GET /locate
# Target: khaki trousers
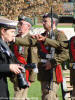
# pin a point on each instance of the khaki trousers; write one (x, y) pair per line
(49, 94)
(21, 94)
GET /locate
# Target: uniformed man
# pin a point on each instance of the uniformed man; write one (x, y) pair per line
(27, 53)
(61, 54)
(7, 32)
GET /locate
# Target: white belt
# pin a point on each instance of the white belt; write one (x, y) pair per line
(43, 60)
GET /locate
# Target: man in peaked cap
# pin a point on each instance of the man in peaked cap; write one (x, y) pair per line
(7, 30)
(4, 22)
(49, 84)
(28, 53)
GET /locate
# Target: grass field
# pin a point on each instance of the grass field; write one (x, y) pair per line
(34, 91)
(59, 26)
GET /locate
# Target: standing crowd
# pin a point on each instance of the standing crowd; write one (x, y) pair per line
(48, 51)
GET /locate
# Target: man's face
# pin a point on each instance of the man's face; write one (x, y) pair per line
(47, 23)
(23, 27)
(8, 34)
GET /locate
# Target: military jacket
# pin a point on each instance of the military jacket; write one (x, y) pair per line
(61, 53)
(30, 55)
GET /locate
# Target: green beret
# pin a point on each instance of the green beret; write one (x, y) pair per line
(6, 23)
(27, 19)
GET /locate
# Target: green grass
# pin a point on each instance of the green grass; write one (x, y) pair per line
(38, 26)
(59, 93)
(11, 89)
(64, 26)
(59, 26)
(34, 90)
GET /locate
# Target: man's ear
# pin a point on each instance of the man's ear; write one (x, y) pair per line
(53, 22)
(2, 30)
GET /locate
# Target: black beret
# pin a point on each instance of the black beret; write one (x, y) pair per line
(54, 15)
(27, 19)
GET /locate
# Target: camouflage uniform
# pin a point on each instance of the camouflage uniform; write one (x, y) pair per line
(61, 54)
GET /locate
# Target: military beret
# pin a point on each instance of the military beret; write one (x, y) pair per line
(6, 23)
(27, 19)
(54, 15)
